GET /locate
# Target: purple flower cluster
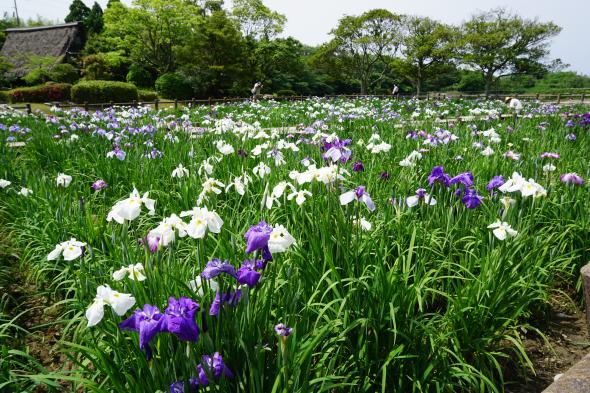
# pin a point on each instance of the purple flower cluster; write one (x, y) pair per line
(178, 319)
(210, 367)
(99, 185)
(336, 150)
(470, 197)
(572, 178)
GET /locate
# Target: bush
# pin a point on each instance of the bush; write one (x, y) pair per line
(105, 66)
(104, 91)
(43, 93)
(139, 76)
(147, 95)
(64, 73)
(173, 86)
(3, 97)
(37, 76)
(286, 93)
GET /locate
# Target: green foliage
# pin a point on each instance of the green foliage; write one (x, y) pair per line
(94, 22)
(105, 66)
(173, 86)
(64, 73)
(99, 91)
(6, 23)
(146, 95)
(499, 44)
(285, 93)
(3, 96)
(39, 69)
(257, 20)
(139, 76)
(428, 48)
(153, 32)
(44, 93)
(78, 12)
(362, 42)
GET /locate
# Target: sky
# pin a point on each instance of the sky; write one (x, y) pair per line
(310, 21)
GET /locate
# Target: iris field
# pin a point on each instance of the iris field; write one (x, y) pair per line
(315, 246)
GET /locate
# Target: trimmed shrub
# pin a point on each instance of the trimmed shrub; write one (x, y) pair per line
(139, 76)
(173, 86)
(104, 91)
(64, 73)
(37, 77)
(43, 93)
(286, 93)
(147, 95)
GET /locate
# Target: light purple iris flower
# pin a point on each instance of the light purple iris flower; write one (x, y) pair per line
(360, 195)
(496, 182)
(99, 185)
(282, 330)
(465, 178)
(572, 178)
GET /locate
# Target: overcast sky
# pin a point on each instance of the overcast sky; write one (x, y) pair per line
(310, 21)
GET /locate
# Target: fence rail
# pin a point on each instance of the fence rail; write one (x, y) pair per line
(157, 104)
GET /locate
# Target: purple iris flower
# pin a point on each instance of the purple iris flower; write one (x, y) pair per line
(384, 175)
(336, 150)
(549, 155)
(230, 298)
(180, 318)
(178, 386)
(242, 153)
(496, 182)
(153, 242)
(571, 137)
(572, 178)
(361, 195)
(148, 322)
(465, 178)
(247, 274)
(438, 175)
(282, 330)
(570, 124)
(99, 185)
(117, 153)
(358, 167)
(215, 267)
(213, 366)
(472, 198)
(257, 238)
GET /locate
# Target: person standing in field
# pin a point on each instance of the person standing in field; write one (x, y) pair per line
(514, 104)
(395, 91)
(256, 91)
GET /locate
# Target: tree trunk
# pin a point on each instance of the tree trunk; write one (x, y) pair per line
(489, 78)
(418, 87)
(364, 85)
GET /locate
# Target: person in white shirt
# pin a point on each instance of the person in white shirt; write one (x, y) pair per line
(395, 91)
(256, 91)
(514, 104)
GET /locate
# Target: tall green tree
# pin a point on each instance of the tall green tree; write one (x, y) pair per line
(78, 12)
(499, 44)
(94, 22)
(362, 42)
(428, 48)
(257, 20)
(152, 32)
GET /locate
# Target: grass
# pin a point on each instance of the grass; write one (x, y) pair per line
(427, 300)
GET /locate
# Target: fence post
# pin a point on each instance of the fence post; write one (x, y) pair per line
(86, 106)
(134, 104)
(175, 104)
(29, 109)
(209, 101)
(156, 104)
(537, 96)
(585, 272)
(559, 98)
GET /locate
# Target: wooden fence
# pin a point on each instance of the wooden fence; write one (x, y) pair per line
(157, 104)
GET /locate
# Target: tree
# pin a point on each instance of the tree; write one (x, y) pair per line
(363, 41)
(78, 12)
(428, 47)
(257, 20)
(93, 21)
(153, 31)
(499, 44)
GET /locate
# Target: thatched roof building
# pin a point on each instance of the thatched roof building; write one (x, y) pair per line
(58, 41)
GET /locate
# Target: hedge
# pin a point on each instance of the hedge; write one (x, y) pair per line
(103, 92)
(173, 86)
(147, 95)
(42, 93)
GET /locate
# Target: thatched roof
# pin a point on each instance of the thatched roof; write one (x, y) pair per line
(58, 41)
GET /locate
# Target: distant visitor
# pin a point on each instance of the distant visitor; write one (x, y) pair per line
(514, 104)
(256, 90)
